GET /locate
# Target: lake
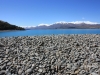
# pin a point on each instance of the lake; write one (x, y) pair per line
(48, 32)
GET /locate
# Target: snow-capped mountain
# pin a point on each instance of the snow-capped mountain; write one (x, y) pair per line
(68, 25)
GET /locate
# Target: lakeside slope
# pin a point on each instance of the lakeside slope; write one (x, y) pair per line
(4, 26)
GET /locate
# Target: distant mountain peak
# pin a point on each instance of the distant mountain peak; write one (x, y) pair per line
(66, 25)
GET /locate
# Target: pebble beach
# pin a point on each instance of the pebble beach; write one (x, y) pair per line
(75, 54)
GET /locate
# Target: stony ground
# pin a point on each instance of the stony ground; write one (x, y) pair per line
(50, 55)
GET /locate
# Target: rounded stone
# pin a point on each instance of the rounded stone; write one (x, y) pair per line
(40, 70)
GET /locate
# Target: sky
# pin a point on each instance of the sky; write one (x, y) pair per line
(37, 12)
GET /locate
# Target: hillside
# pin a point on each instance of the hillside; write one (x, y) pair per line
(8, 26)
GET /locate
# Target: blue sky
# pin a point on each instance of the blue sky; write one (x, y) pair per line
(35, 12)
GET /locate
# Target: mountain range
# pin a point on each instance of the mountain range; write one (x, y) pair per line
(65, 25)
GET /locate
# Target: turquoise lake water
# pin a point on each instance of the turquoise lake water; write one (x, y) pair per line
(49, 32)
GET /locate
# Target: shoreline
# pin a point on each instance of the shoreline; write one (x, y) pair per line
(10, 30)
(72, 54)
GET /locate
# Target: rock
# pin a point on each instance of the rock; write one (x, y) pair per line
(74, 68)
(94, 73)
(97, 60)
(36, 54)
(98, 47)
(28, 70)
(20, 72)
(69, 66)
(31, 58)
(6, 56)
(95, 45)
(0, 61)
(7, 51)
(33, 65)
(87, 48)
(77, 44)
(6, 61)
(9, 63)
(1, 45)
(2, 72)
(3, 67)
(40, 70)
(41, 44)
(23, 74)
(95, 65)
(77, 71)
(8, 73)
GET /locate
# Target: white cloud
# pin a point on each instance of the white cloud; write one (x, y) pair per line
(61, 22)
(86, 22)
(43, 24)
(77, 22)
(27, 26)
